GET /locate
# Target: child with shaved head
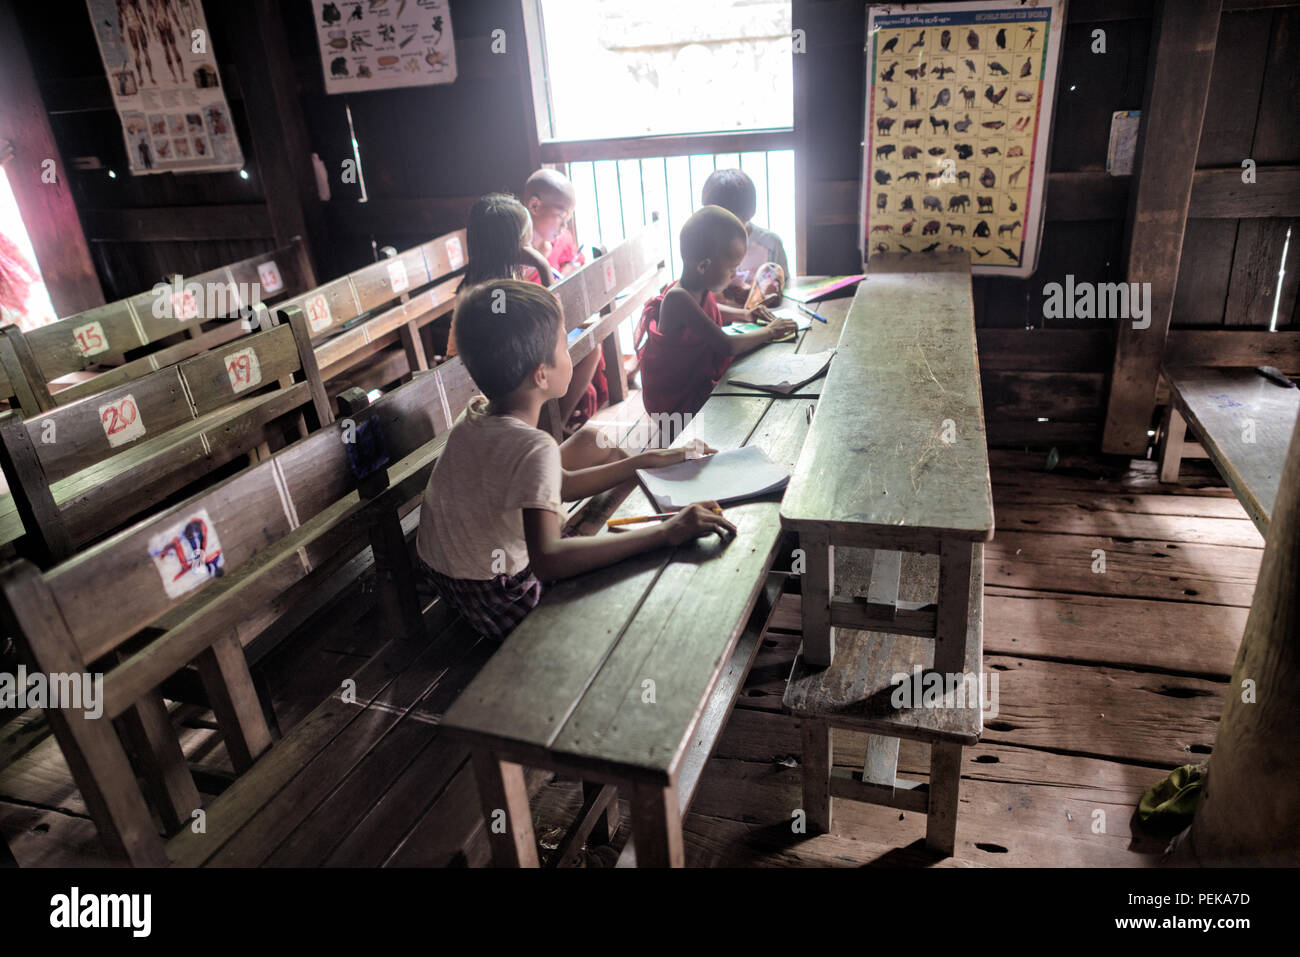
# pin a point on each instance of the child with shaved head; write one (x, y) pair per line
(680, 341)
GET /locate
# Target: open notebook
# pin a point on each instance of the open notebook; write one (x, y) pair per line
(725, 477)
(782, 372)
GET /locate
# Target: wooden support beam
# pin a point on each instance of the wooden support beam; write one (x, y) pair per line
(1173, 113)
(48, 211)
(179, 223)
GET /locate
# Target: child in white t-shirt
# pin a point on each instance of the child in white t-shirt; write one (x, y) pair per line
(491, 517)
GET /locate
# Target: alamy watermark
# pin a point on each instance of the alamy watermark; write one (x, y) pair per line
(1093, 300)
(654, 430)
(934, 689)
(210, 300)
(79, 692)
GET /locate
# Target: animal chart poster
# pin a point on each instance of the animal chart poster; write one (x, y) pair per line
(165, 85)
(959, 108)
(379, 44)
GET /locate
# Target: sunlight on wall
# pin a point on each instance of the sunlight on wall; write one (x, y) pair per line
(24, 300)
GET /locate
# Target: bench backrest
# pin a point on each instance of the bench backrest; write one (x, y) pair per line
(258, 380)
(30, 361)
(188, 576)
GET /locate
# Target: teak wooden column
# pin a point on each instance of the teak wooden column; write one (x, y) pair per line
(1250, 811)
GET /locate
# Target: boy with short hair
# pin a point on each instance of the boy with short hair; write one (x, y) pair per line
(491, 518)
(683, 350)
(733, 190)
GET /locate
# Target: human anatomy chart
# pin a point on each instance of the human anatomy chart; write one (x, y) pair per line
(959, 107)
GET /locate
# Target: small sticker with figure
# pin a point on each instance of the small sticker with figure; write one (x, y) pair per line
(455, 255)
(184, 305)
(121, 421)
(187, 554)
(318, 313)
(244, 369)
(269, 274)
(90, 339)
(397, 275)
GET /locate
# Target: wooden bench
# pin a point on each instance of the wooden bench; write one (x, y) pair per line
(358, 318)
(207, 581)
(85, 468)
(895, 461)
(79, 345)
(1243, 421)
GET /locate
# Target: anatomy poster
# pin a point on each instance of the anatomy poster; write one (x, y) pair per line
(959, 110)
(377, 44)
(163, 74)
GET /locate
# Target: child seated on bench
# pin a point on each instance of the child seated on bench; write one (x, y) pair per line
(550, 199)
(490, 517)
(733, 190)
(683, 350)
(498, 235)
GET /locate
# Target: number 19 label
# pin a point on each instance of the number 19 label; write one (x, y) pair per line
(243, 369)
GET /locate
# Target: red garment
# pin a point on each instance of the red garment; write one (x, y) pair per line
(565, 251)
(679, 371)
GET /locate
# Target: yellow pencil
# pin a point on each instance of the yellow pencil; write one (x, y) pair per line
(635, 520)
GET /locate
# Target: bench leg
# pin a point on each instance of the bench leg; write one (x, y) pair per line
(148, 728)
(657, 827)
(817, 586)
(817, 753)
(413, 346)
(1172, 436)
(233, 697)
(945, 781)
(501, 788)
(602, 832)
(952, 627)
(615, 374)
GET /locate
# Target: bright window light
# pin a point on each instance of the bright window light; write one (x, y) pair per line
(24, 300)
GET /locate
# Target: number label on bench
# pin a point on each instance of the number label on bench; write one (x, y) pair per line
(91, 340)
(187, 554)
(244, 369)
(184, 305)
(610, 278)
(318, 313)
(269, 274)
(121, 421)
(397, 275)
(455, 255)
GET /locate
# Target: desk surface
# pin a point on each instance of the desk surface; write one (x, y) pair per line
(1225, 407)
(898, 441)
(568, 688)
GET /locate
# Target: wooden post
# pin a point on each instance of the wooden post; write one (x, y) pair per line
(1173, 113)
(1250, 810)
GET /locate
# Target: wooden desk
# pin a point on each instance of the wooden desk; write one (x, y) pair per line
(623, 677)
(895, 461)
(819, 337)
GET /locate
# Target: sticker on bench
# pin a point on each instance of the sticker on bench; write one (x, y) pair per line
(90, 339)
(187, 554)
(610, 278)
(269, 274)
(318, 313)
(397, 275)
(184, 305)
(455, 255)
(121, 421)
(244, 369)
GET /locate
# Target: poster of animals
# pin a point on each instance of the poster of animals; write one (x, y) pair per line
(163, 75)
(378, 44)
(958, 119)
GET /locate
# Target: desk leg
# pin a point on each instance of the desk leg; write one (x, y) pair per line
(952, 630)
(501, 787)
(945, 782)
(817, 759)
(817, 586)
(1172, 437)
(657, 827)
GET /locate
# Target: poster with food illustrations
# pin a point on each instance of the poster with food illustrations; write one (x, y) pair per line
(163, 75)
(379, 44)
(958, 118)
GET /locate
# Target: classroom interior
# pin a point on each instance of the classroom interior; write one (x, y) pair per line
(1138, 582)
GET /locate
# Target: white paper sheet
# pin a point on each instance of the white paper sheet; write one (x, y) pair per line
(730, 476)
(783, 372)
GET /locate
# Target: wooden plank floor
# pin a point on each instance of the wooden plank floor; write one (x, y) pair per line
(1107, 679)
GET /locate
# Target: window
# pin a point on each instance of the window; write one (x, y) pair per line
(24, 300)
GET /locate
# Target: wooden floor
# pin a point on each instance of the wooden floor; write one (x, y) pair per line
(1106, 680)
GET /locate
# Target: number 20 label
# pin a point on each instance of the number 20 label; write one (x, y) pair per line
(244, 369)
(90, 339)
(121, 421)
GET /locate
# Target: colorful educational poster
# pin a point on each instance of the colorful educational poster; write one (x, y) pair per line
(958, 118)
(378, 44)
(165, 84)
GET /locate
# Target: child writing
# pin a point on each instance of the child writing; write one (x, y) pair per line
(733, 190)
(490, 517)
(499, 240)
(683, 350)
(550, 199)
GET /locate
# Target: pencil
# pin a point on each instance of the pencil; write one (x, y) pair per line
(810, 312)
(616, 522)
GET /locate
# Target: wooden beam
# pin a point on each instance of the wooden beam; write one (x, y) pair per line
(1220, 193)
(1231, 347)
(179, 223)
(47, 207)
(279, 131)
(635, 147)
(426, 216)
(1173, 113)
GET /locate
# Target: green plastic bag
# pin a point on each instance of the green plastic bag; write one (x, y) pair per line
(1168, 807)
